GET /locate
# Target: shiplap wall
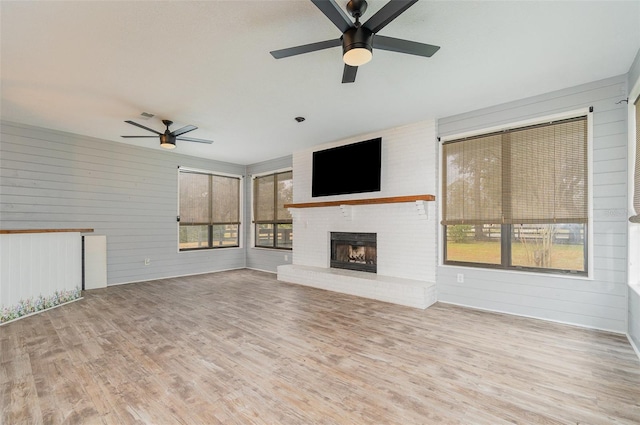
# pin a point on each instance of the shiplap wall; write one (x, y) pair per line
(51, 179)
(263, 258)
(600, 302)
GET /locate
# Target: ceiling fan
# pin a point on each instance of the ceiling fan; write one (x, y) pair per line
(168, 138)
(358, 40)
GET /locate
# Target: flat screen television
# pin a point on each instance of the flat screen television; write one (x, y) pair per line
(353, 168)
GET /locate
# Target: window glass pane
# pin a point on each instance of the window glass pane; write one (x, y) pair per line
(225, 202)
(549, 246)
(284, 236)
(224, 235)
(194, 198)
(285, 195)
(473, 243)
(264, 235)
(193, 237)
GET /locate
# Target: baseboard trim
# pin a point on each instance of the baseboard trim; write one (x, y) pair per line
(172, 277)
(577, 325)
(261, 270)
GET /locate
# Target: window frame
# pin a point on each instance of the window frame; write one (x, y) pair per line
(633, 236)
(275, 222)
(211, 225)
(505, 242)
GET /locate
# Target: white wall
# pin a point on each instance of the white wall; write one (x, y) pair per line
(36, 265)
(406, 241)
(52, 179)
(601, 300)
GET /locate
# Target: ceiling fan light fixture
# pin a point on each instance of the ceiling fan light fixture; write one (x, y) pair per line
(167, 142)
(357, 46)
(357, 56)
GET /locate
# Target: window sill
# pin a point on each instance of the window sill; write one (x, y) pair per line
(266, 248)
(225, 248)
(549, 275)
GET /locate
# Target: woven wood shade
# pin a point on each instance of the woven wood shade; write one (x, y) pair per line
(209, 199)
(636, 173)
(536, 174)
(270, 193)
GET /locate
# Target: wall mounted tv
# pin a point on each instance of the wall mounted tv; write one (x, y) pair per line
(353, 168)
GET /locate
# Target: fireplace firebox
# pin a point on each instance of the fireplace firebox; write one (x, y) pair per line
(354, 251)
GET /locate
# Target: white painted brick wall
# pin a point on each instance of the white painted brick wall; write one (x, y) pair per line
(406, 240)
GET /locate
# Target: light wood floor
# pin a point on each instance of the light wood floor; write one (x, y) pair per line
(241, 348)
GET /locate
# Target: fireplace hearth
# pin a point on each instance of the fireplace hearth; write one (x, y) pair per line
(354, 251)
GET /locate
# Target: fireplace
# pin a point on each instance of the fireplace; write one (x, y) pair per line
(354, 251)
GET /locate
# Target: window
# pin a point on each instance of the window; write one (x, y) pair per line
(518, 199)
(273, 224)
(209, 210)
(636, 173)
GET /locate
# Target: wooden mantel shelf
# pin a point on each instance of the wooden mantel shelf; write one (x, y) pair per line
(8, 232)
(370, 201)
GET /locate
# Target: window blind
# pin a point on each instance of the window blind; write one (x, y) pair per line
(194, 198)
(263, 193)
(284, 181)
(225, 205)
(209, 199)
(535, 174)
(636, 173)
(270, 194)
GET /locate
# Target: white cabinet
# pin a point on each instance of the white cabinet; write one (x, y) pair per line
(95, 261)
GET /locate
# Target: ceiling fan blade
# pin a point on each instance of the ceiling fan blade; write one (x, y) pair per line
(335, 14)
(142, 126)
(191, 139)
(138, 137)
(349, 74)
(404, 46)
(305, 48)
(388, 13)
(185, 129)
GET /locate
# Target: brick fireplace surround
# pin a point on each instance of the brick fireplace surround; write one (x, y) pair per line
(398, 250)
(405, 225)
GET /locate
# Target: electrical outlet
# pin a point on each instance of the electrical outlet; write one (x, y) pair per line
(147, 261)
(286, 257)
(460, 277)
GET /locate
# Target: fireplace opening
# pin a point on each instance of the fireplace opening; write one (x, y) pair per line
(354, 251)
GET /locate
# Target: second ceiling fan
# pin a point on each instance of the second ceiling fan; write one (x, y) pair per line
(358, 40)
(168, 138)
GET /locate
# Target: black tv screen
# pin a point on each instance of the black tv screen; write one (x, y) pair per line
(353, 168)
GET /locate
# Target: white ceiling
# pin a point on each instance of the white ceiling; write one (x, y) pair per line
(85, 67)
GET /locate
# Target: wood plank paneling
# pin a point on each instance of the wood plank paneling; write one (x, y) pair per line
(51, 179)
(600, 301)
